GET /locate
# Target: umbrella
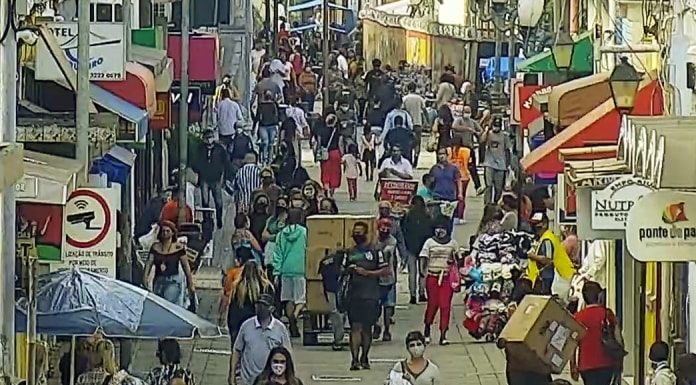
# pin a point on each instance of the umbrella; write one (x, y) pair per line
(77, 302)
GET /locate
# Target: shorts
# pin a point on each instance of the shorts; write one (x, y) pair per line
(293, 289)
(363, 311)
(387, 295)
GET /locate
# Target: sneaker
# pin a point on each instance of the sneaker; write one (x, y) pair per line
(413, 300)
(365, 364)
(386, 337)
(376, 332)
(427, 340)
(354, 365)
(444, 342)
(336, 347)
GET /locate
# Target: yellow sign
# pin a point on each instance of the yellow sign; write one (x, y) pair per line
(418, 49)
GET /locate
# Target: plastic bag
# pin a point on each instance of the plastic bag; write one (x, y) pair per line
(149, 239)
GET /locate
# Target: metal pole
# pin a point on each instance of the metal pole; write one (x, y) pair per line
(31, 261)
(267, 22)
(183, 108)
(511, 56)
(325, 54)
(274, 28)
(8, 133)
(498, 81)
(127, 26)
(246, 60)
(83, 98)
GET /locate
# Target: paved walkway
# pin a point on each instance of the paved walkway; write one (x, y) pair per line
(464, 362)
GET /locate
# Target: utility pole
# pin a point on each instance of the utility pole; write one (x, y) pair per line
(497, 78)
(183, 108)
(267, 22)
(8, 133)
(83, 97)
(325, 54)
(274, 28)
(127, 27)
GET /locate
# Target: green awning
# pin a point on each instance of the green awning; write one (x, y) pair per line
(582, 58)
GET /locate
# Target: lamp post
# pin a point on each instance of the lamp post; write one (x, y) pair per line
(624, 82)
(562, 50)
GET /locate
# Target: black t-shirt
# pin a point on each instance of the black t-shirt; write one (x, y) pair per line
(374, 79)
(327, 134)
(268, 114)
(361, 287)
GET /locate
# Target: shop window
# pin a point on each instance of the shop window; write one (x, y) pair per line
(104, 13)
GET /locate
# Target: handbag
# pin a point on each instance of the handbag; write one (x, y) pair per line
(454, 277)
(611, 345)
(322, 153)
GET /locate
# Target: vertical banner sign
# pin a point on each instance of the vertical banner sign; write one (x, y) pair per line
(90, 231)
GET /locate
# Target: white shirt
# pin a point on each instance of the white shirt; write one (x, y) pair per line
(342, 65)
(298, 115)
(403, 166)
(256, 56)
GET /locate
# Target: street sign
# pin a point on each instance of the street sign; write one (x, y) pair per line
(89, 224)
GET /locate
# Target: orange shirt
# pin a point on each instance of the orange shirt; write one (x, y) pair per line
(461, 160)
(230, 279)
(170, 212)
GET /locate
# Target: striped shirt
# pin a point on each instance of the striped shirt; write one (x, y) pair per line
(247, 180)
(439, 254)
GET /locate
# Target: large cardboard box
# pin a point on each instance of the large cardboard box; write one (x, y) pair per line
(542, 334)
(316, 300)
(324, 237)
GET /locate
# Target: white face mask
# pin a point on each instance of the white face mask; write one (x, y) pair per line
(467, 115)
(278, 369)
(344, 108)
(417, 351)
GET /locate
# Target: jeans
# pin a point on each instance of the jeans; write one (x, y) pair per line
(336, 318)
(267, 136)
(169, 287)
(216, 189)
(416, 283)
(495, 183)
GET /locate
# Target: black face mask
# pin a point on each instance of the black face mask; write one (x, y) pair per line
(263, 313)
(261, 207)
(384, 213)
(359, 239)
(384, 234)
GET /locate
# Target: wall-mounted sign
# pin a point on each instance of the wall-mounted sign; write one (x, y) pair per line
(610, 206)
(27, 187)
(90, 231)
(106, 51)
(43, 223)
(163, 116)
(195, 103)
(661, 227)
(642, 150)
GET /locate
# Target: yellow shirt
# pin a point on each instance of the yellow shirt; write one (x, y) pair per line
(561, 261)
(461, 160)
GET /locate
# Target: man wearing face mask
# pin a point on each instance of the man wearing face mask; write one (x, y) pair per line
(347, 120)
(416, 370)
(268, 188)
(447, 180)
(468, 129)
(211, 164)
(497, 144)
(549, 263)
(390, 122)
(257, 336)
(366, 266)
(386, 243)
(385, 212)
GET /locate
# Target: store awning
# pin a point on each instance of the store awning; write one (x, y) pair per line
(396, 8)
(48, 179)
(159, 64)
(138, 88)
(582, 58)
(11, 170)
(599, 126)
(122, 108)
(571, 100)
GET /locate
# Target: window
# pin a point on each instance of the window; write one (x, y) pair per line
(162, 11)
(118, 12)
(91, 13)
(104, 12)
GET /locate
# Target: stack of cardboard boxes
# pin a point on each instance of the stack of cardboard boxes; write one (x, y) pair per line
(325, 235)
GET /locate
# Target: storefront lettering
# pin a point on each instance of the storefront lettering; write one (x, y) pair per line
(643, 151)
(530, 100)
(661, 232)
(177, 96)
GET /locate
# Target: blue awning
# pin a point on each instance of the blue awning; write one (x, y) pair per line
(313, 4)
(122, 108)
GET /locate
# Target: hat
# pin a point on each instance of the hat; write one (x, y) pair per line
(266, 173)
(537, 218)
(384, 205)
(384, 224)
(266, 299)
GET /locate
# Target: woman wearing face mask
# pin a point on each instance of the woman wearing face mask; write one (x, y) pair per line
(329, 154)
(416, 370)
(274, 225)
(328, 206)
(442, 128)
(439, 253)
(279, 369)
(307, 81)
(310, 195)
(258, 217)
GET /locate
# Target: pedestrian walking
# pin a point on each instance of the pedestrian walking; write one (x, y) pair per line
(416, 369)
(352, 169)
(549, 263)
(330, 271)
(289, 259)
(258, 217)
(659, 362)
(466, 131)
(460, 158)
(168, 256)
(169, 356)
(279, 369)
(257, 337)
(212, 163)
(329, 154)
(447, 181)
(414, 104)
(228, 114)
(246, 181)
(369, 152)
(417, 227)
(244, 292)
(170, 210)
(365, 265)
(496, 161)
(275, 224)
(442, 127)
(307, 82)
(594, 364)
(439, 252)
(386, 244)
(268, 119)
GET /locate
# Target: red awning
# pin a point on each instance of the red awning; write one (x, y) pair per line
(138, 89)
(599, 126)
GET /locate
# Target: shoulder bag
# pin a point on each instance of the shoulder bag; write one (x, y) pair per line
(612, 345)
(322, 152)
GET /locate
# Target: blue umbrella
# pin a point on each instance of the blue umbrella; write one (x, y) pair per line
(76, 302)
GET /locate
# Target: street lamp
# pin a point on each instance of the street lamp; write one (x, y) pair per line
(624, 82)
(562, 50)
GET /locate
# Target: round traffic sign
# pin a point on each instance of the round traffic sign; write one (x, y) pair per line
(88, 219)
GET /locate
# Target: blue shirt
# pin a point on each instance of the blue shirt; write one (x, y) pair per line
(425, 193)
(445, 182)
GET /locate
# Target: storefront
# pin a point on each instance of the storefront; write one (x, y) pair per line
(387, 42)
(418, 48)
(570, 101)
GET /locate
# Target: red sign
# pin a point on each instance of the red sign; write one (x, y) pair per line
(529, 113)
(163, 115)
(397, 191)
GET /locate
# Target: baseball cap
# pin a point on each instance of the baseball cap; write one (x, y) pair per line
(537, 218)
(266, 173)
(266, 299)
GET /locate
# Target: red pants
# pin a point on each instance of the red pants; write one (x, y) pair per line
(439, 298)
(461, 205)
(352, 188)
